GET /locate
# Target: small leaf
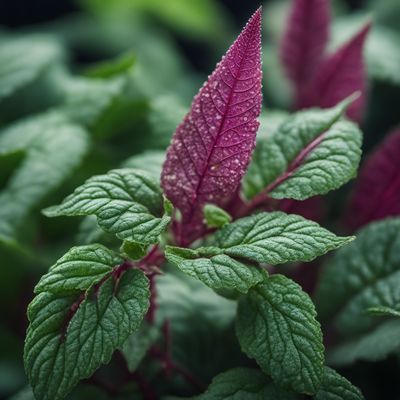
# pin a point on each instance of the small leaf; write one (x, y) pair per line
(127, 203)
(211, 148)
(364, 274)
(218, 271)
(138, 343)
(377, 192)
(70, 336)
(311, 153)
(112, 68)
(341, 74)
(372, 346)
(276, 325)
(382, 311)
(244, 384)
(336, 387)
(133, 250)
(304, 41)
(71, 272)
(216, 217)
(44, 167)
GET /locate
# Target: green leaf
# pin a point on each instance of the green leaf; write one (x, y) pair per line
(268, 238)
(382, 311)
(44, 167)
(127, 203)
(336, 387)
(78, 270)
(24, 59)
(133, 250)
(112, 68)
(69, 337)
(365, 274)
(311, 153)
(138, 343)
(215, 216)
(218, 272)
(372, 346)
(244, 384)
(276, 238)
(276, 325)
(150, 161)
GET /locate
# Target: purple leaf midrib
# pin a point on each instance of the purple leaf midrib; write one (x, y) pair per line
(203, 173)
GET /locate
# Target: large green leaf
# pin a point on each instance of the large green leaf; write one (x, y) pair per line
(127, 203)
(336, 387)
(311, 153)
(244, 384)
(53, 148)
(276, 325)
(270, 238)
(364, 275)
(70, 334)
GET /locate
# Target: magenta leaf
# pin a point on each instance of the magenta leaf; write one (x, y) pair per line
(341, 74)
(377, 193)
(211, 148)
(304, 42)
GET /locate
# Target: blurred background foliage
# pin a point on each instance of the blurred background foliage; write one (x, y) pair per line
(90, 85)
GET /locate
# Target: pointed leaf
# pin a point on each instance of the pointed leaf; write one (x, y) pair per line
(336, 387)
(341, 74)
(304, 41)
(311, 153)
(70, 336)
(269, 238)
(377, 192)
(362, 275)
(44, 167)
(71, 273)
(127, 203)
(276, 325)
(244, 384)
(211, 148)
(218, 271)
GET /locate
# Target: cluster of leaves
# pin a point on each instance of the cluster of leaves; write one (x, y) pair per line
(195, 243)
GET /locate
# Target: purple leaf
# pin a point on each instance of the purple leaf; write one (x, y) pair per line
(304, 42)
(341, 74)
(211, 148)
(377, 193)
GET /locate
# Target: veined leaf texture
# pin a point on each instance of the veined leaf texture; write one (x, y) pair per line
(211, 148)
